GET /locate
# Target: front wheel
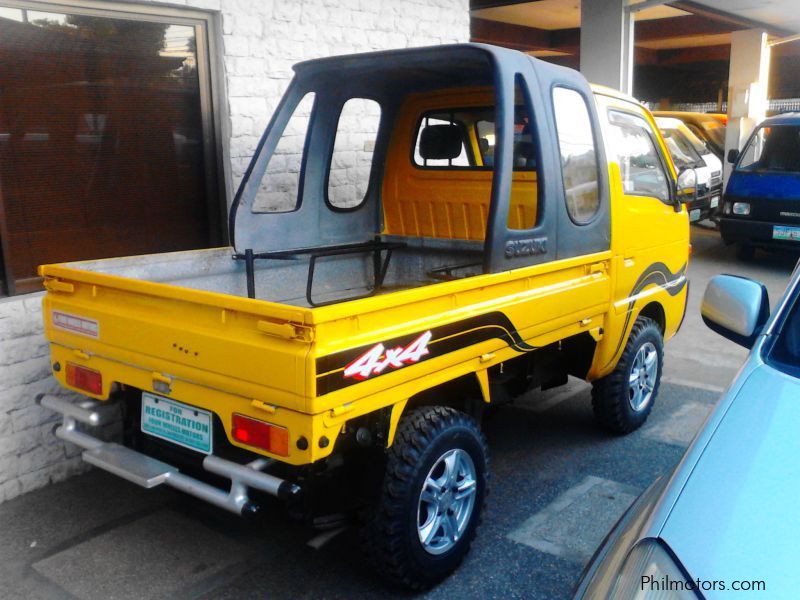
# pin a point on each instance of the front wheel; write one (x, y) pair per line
(623, 399)
(433, 494)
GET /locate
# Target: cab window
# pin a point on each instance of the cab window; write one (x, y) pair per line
(578, 155)
(465, 139)
(633, 146)
(442, 141)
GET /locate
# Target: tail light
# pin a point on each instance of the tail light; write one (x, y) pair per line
(260, 434)
(85, 379)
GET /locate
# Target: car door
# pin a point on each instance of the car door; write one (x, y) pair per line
(650, 236)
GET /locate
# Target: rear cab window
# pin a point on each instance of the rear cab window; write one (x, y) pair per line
(462, 139)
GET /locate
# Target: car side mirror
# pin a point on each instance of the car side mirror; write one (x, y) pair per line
(686, 187)
(733, 155)
(735, 307)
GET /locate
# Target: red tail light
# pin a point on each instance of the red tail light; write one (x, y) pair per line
(260, 434)
(84, 379)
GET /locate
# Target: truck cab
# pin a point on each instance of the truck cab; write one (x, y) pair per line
(421, 234)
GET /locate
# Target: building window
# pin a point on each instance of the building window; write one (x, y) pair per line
(106, 139)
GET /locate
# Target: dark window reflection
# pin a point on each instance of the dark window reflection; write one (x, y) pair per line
(101, 148)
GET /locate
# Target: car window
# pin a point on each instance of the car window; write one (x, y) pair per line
(430, 149)
(785, 354)
(279, 189)
(578, 154)
(640, 164)
(715, 131)
(697, 143)
(351, 160)
(774, 148)
(442, 141)
(682, 151)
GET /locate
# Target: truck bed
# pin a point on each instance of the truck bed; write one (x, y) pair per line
(284, 281)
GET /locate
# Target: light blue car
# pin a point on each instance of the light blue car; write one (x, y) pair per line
(728, 518)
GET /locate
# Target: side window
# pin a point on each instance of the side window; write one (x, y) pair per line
(440, 141)
(351, 161)
(636, 152)
(279, 190)
(524, 149)
(578, 154)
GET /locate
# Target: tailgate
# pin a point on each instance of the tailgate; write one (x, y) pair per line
(250, 348)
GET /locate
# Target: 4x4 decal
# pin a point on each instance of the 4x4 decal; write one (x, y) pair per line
(377, 358)
(349, 367)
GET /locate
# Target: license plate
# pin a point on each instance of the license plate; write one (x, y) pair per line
(715, 202)
(175, 422)
(781, 232)
(694, 215)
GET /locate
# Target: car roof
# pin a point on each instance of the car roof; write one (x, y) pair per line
(791, 118)
(607, 91)
(685, 115)
(668, 122)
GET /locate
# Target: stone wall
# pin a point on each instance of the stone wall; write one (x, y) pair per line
(261, 39)
(30, 455)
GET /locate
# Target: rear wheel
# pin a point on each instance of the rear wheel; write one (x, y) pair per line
(623, 399)
(432, 498)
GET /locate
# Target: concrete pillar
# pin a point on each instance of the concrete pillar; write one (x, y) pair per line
(747, 87)
(607, 43)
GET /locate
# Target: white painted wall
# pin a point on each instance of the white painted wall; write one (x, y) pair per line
(261, 39)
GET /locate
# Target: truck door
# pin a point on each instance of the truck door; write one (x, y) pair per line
(649, 236)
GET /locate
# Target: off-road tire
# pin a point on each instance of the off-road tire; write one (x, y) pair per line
(610, 395)
(389, 536)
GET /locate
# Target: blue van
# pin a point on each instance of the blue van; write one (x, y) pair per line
(762, 201)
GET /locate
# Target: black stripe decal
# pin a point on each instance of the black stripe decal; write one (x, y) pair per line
(659, 274)
(445, 339)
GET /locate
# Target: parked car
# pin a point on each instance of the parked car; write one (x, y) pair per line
(721, 117)
(339, 354)
(705, 126)
(689, 152)
(762, 199)
(727, 518)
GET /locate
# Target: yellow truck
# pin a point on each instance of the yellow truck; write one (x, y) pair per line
(503, 225)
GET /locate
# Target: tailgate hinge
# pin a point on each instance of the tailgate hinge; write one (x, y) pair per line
(288, 331)
(56, 285)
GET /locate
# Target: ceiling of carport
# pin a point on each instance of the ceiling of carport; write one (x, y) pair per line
(780, 14)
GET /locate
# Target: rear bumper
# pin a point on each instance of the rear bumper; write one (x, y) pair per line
(757, 233)
(149, 472)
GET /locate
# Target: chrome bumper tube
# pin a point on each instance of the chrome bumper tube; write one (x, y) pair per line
(149, 472)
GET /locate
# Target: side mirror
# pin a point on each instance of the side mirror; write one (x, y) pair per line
(733, 155)
(736, 308)
(686, 187)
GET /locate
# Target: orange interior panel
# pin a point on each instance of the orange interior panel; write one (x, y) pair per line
(449, 203)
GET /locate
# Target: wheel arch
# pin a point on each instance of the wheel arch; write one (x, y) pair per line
(655, 311)
(468, 393)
